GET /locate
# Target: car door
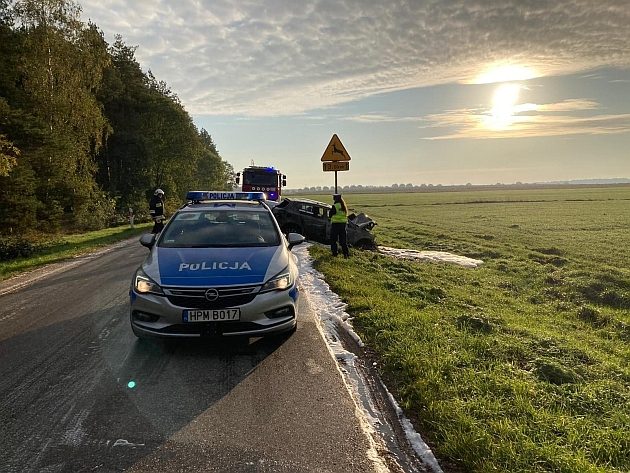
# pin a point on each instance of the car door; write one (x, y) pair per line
(314, 220)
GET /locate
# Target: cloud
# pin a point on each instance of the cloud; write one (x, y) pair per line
(568, 105)
(281, 57)
(380, 118)
(529, 120)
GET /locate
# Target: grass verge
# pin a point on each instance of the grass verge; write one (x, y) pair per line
(520, 365)
(61, 247)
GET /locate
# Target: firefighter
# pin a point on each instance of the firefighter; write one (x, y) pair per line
(156, 210)
(338, 215)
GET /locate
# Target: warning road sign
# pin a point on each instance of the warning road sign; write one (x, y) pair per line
(335, 151)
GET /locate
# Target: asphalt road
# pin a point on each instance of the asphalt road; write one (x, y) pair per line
(78, 391)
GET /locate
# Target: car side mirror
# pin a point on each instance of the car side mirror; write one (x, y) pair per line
(148, 240)
(295, 239)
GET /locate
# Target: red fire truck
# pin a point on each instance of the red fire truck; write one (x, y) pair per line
(263, 179)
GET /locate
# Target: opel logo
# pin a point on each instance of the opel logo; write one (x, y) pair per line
(212, 294)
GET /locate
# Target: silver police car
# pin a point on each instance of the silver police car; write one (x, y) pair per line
(220, 267)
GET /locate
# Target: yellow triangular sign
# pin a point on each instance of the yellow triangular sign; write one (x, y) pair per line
(335, 151)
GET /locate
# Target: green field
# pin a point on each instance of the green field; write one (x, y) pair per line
(520, 365)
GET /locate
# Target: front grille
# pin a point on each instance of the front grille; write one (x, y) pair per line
(194, 298)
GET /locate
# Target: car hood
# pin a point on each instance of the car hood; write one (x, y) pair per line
(214, 266)
(362, 221)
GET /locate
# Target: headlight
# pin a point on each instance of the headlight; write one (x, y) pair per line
(281, 282)
(144, 284)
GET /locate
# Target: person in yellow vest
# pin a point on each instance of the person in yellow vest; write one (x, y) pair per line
(338, 215)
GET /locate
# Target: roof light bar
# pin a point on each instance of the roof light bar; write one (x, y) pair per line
(198, 196)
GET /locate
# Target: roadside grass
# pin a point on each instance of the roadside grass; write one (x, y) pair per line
(520, 365)
(51, 249)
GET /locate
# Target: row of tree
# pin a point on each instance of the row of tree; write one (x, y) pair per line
(372, 189)
(85, 134)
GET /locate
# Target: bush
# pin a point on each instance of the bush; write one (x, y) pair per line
(97, 212)
(12, 248)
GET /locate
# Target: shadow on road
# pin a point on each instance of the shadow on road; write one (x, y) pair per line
(85, 394)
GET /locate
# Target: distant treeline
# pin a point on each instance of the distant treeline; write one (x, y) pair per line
(85, 134)
(367, 189)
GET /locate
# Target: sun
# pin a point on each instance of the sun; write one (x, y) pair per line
(504, 103)
(505, 106)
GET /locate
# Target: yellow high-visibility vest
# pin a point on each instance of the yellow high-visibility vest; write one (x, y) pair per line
(340, 216)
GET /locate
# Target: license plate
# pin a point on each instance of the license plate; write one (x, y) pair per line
(212, 315)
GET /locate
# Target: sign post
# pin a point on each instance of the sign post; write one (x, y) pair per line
(335, 158)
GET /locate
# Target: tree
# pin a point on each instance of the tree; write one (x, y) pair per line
(62, 62)
(214, 172)
(121, 163)
(8, 61)
(83, 131)
(8, 154)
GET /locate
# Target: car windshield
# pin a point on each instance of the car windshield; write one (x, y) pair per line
(220, 228)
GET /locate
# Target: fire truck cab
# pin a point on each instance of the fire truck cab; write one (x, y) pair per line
(262, 179)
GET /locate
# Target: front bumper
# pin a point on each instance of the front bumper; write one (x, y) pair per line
(155, 316)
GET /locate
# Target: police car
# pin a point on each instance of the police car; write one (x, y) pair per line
(220, 267)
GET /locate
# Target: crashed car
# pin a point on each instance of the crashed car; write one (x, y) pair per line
(310, 218)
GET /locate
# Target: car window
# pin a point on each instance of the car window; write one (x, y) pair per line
(220, 228)
(310, 209)
(305, 208)
(322, 212)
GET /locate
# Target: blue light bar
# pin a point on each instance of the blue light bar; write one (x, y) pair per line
(198, 196)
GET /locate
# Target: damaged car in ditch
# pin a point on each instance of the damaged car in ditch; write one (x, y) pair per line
(310, 218)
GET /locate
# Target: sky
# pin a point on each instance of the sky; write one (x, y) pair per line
(418, 92)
